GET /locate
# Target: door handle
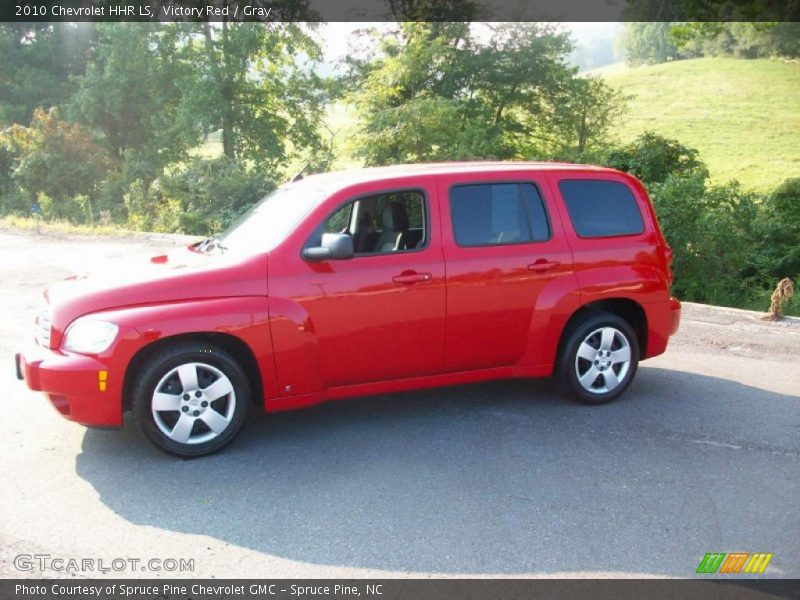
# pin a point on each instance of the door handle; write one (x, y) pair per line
(542, 265)
(412, 277)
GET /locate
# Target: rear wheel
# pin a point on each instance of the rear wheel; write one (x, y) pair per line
(190, 399)
(598, 359)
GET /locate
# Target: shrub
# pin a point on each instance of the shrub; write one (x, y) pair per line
(731, 268)
(201, 198)
(781, 231)
(6, 164)
(149, 210)
(679, 203)
(213, 192)
(59, 159)
(110, 197)
(653, 158)
(15, 202)
(728, 243)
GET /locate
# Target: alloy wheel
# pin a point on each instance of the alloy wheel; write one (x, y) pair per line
(603, 360)
(193, 403)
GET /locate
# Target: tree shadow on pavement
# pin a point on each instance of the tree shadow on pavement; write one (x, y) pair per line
(495, 478)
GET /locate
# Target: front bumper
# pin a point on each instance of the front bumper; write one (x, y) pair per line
(80, 387)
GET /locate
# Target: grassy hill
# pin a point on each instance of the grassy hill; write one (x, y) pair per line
(742, 115)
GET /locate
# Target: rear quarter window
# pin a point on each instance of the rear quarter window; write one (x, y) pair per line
(601, 208)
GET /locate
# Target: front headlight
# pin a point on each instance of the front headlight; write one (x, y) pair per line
(89, 336)
(43, 327)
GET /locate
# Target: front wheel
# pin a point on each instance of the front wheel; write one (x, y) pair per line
(598, 359)
(190, 399)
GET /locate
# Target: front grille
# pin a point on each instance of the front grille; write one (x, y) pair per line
(43, 327)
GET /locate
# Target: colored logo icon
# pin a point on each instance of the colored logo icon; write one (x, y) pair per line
(734, 562)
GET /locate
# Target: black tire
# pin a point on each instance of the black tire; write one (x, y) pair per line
(612, 378)
(164, 372)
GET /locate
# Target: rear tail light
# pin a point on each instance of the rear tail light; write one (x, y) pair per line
(668, 257)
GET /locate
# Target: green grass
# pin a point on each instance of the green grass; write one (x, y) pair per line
(60, 227)
(743, 116)
(210, 147)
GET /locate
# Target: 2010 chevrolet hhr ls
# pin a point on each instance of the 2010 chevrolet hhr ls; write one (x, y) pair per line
(365, 282)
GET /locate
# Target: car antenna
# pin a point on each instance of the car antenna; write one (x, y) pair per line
(299, 175)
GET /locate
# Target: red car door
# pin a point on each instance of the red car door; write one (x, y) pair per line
(503, 245)
(381, 314)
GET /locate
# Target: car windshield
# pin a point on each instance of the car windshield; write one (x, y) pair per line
(269, 222)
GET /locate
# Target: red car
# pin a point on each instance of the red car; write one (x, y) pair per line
(365, 282)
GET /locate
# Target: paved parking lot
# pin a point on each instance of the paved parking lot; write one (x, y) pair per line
(702, 454)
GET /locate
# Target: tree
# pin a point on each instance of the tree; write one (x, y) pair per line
(434, 10)
(740, 39)
(435, 92)
(738, 11)
(133, 92)
(648, 43)
(411, 96)
(583, 114)
(39, 66)
(521, 68)
(639, 11)
(255, 83)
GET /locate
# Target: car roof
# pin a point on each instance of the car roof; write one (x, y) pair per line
(370, 174)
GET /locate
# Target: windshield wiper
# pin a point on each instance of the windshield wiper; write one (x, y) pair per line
(211, 243)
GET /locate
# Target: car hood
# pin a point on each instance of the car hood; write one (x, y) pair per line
(179, 276)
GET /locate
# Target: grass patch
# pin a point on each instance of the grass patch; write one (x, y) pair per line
(64, 229)
(61, 227)
(743, 116)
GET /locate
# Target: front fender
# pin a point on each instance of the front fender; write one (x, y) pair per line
(245, 318)
(295, 348)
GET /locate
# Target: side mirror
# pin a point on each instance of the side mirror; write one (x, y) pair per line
(334, 246)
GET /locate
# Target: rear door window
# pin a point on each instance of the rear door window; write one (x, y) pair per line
(601, 208)
(496, 214)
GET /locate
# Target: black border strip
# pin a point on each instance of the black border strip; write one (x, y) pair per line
(398, 589)
(398, 10)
